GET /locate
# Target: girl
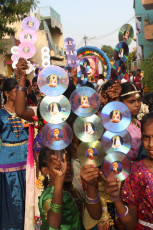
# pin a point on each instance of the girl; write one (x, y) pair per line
(13, 154)
(131, 96)
(137, 191)
(57, 205)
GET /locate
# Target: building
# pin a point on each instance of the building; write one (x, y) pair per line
(144, 27)
(50, 34)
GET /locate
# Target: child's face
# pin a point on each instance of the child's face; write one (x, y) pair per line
(147, 137)
(134, 103)
(103, 98)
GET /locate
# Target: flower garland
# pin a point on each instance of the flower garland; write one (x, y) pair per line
(39, 182)
(143, 110)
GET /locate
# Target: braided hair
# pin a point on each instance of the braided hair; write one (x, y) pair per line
(44, 159)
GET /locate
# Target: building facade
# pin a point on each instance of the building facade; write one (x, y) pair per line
(144, 27)
(50, 34)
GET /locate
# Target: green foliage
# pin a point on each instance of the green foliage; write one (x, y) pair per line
(147, 66)
(109, 51)
(3, 46)
(131, 57)
(12, 11)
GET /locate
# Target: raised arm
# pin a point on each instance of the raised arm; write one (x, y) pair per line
(127, 213)
(20, 103)
(114, 91)
(90, 174)
(55, 212)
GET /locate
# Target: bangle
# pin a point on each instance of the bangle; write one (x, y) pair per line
(56, 208)
(92, 201)
(21, 88)
(120, 216)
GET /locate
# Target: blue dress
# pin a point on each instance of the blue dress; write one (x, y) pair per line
(13, 154)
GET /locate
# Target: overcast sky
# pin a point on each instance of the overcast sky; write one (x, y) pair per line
(99, 20)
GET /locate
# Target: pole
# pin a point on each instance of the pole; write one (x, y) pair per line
(85, 40)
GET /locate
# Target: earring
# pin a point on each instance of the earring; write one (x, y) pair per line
(48, 177)
(7, 98)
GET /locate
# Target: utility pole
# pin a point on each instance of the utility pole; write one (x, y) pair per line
(86, 38)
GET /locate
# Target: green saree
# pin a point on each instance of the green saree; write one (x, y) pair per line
(71, 219)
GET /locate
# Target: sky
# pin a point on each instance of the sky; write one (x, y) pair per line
(99, 20)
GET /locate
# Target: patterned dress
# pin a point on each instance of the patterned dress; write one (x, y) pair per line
(135, 132)
(13, 154)
(138, 190)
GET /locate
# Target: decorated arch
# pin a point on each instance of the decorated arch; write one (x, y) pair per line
(94, 51)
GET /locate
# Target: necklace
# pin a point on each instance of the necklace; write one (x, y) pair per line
(13, 114)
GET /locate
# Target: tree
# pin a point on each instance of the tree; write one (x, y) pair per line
(109, 51)
(146, 65)
(12, 11)
(131, 57)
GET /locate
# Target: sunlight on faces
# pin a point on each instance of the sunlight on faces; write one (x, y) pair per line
(103, 98)
(134, 103)
(12, 94)
(147, 137)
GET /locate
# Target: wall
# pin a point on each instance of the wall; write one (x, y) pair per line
(41, 42)
(141, 13)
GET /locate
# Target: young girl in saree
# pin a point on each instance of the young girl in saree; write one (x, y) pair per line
(134, 206)
(131, 96)
(59, 202)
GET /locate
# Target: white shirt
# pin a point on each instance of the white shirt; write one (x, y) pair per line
(100, 82)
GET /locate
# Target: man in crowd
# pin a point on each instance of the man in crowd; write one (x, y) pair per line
(138, 79)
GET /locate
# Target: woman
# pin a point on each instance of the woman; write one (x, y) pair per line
(131, 96)
(137, 191)
(13, 154)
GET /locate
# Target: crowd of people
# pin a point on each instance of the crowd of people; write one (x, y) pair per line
(66, 196)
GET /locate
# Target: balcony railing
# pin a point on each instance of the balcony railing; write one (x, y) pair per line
(50, 39)
(147, 4)
(46, 12)
(58, 52)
